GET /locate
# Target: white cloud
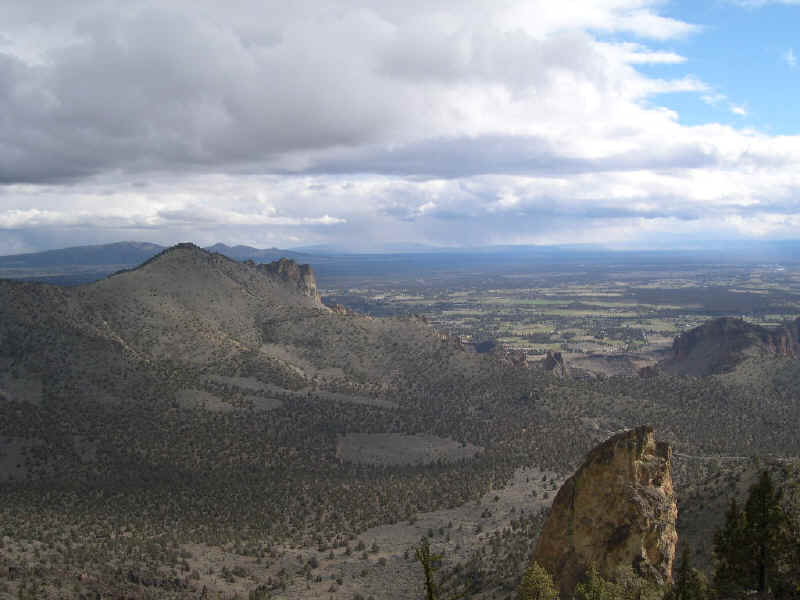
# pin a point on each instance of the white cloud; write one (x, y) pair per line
(437, 121)
(738, 110)
(713, 99)
(716, 99)
(636, 54)
(790, 58)
(740, 188)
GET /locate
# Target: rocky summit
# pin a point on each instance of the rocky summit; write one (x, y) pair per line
(619, 509)
(301, 276)
(717, 346)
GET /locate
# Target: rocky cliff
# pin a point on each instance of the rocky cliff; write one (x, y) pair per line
(554, 361)
(302, 276)
(720, 344)
(619, 509)
(785, 340)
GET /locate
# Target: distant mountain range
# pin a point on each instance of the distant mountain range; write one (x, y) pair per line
(83, 264)
(257, 254)
(130, 253)
(120, 253)
(724, 250)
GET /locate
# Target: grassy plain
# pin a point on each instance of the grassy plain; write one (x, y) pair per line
(585, 312)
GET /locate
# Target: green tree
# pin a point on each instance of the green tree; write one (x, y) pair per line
(751, 546)
(625, 585)
(537, 584)
(689, 583)
(594, 587)
(765, 528)
(730, 552)
(431, 563)
(793, 538)
(631, 586)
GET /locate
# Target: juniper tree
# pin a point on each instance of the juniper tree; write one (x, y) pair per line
(431, 563)
(537, 584)
(689, 583)
(750, 546)
(595, 587)
(730, 551)
(765, 525)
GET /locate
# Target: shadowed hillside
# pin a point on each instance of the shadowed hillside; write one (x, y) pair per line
(187, 305)
(196, 413)
(720, 345)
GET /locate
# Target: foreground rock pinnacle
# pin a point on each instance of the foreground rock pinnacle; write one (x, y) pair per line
(617, 510)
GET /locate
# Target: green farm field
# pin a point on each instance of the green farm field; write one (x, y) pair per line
(585, 313)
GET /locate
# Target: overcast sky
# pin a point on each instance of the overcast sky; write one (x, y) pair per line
(362, 123)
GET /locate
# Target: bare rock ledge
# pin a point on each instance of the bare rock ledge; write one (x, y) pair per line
(618, 509)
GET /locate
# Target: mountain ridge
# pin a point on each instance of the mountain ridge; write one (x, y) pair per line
(131, 253)
(184, 301)
(718, 345)
(191, 306)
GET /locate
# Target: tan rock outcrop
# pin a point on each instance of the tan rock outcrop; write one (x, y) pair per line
(617, 510)
(302, 276)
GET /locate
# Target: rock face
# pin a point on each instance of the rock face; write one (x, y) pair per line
(618, 509)
(786, 339)
(720, 344)
(301, 275)
(554, 361)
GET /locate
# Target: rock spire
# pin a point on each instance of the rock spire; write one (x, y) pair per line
(618, 509)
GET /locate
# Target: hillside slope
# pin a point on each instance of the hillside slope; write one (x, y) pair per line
(187, 306)
(196, 414)
(84, 264)
(717, 346)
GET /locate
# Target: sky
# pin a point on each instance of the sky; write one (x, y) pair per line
(369, 124)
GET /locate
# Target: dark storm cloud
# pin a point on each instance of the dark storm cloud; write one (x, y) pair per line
(142, 86)
(513, 155)
(161, 89)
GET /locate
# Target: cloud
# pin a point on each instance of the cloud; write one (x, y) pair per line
(142, 86)
(738, 110)
(713, 99)
(637, 54)
(274, 123)
(790, 58)
(755, 183)
(716, 99)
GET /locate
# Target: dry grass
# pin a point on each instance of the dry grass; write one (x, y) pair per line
(401, 449)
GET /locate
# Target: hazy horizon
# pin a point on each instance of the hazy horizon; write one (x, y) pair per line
(696, 246)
